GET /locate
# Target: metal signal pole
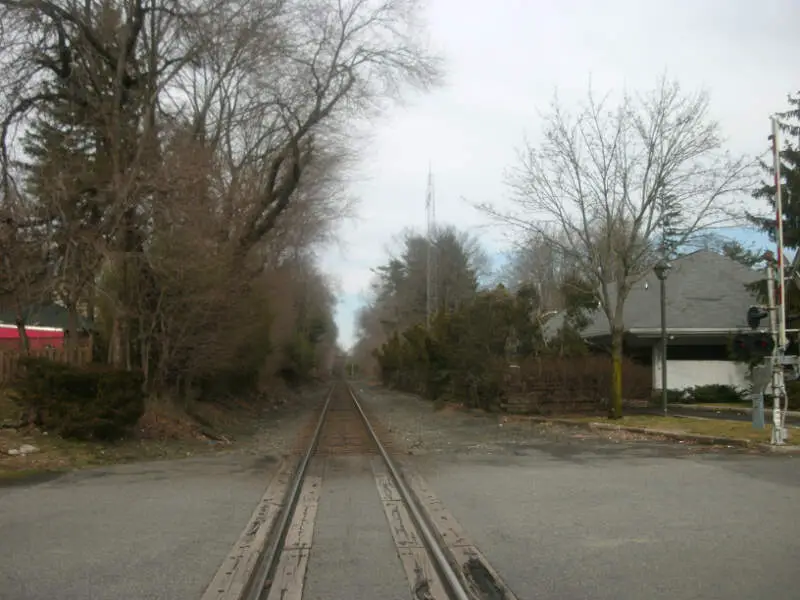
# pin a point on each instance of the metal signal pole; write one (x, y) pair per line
(777, 304)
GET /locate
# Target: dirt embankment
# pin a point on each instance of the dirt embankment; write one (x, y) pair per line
(167, 430)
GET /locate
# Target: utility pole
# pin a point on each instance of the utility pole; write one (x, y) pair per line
(777, 304)
(430, 217)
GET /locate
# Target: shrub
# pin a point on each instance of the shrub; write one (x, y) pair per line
(714, 394)
(793, 392)
(673, 397)
(85, 403)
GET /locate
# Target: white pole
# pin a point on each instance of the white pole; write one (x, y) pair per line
(780, 399)
(776, 380)
(780, 296)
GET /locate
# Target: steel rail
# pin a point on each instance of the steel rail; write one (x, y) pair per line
(256, 587)
(452, 581)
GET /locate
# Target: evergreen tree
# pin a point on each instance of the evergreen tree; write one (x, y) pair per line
(61, 173)
(789, 155)
(64, 182)
(790, 175)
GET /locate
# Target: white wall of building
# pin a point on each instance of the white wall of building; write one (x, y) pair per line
(682, 374)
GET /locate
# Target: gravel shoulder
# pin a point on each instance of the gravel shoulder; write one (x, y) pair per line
(453, 432)
(154, 530)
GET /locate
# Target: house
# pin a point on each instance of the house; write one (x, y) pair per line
(45, 325)
(706, 305)
(38, 337)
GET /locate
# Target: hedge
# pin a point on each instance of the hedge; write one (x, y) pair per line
(87, 403)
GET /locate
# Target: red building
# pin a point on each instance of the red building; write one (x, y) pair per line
(38, 337)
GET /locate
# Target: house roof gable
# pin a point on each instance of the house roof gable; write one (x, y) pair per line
(44, 315)
(704, 290)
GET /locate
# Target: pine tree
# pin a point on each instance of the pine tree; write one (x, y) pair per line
(61, 169)
(62, 179)
(790, 197)
(790, 175)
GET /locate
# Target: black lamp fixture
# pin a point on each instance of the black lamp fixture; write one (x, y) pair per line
(662, 268)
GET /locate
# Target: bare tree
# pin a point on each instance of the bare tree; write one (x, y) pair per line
(597, 186)
(24, 262)
(535, 262)
(184, 162)
(283, 88)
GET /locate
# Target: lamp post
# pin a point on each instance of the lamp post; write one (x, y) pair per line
(662, 268)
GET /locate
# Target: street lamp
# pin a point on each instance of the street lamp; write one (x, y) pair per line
(662, 268)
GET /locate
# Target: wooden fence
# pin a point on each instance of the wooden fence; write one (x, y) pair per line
(9, 359)
(565, 385)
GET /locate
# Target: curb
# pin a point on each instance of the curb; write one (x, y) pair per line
(707, 440)
(743, 410)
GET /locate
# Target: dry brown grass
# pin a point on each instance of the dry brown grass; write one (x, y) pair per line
(163, 421)
(711, 427)
(165, 431)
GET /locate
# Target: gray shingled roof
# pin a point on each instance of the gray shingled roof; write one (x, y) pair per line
(705, 291)
(43, 315)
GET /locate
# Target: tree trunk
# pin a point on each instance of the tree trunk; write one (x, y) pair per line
(115, 344)
(615, 404)
(23, 335)
(91, 306)
(145, 362)
(127, 356)
(72, 333)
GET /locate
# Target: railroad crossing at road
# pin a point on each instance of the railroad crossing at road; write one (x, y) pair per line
(276, 558)
(556, 513)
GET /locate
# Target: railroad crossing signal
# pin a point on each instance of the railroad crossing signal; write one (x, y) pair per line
(757, 345)
(740, 346)
(762, 344)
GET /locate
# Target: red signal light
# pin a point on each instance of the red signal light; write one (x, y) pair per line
(763, 344)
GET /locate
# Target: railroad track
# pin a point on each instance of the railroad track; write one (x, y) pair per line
(270, 560)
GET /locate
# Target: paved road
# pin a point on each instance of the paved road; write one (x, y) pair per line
(588, 521)
(561, 515)
(147, 532)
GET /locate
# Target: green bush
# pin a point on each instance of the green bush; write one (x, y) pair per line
(714, 394)
(83, 403)
(673, 397)
(793, 392)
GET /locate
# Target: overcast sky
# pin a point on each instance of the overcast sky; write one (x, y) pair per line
(505, 59)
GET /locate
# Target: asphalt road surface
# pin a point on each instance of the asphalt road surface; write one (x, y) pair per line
(595, 526)
(145, 532)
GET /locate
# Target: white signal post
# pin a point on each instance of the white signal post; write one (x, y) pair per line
(777, 305)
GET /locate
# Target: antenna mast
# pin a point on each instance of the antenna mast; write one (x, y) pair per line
(430, 217)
